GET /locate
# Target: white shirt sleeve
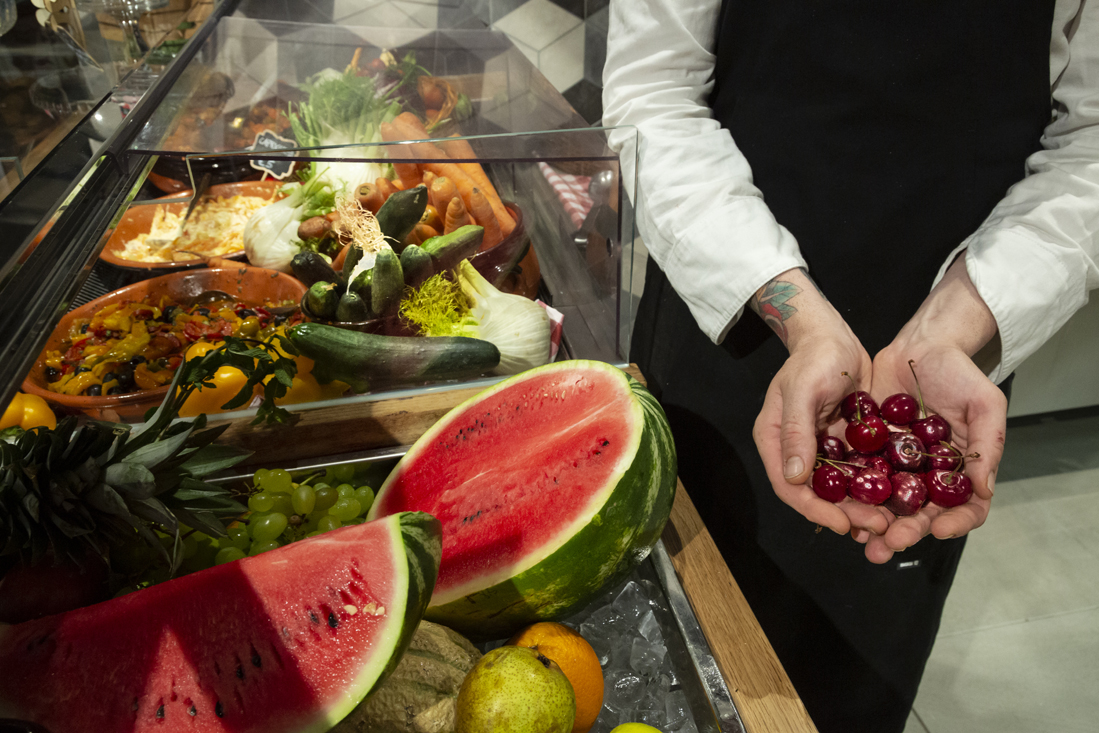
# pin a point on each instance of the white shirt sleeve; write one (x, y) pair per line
(701, 217)
(1034, 259)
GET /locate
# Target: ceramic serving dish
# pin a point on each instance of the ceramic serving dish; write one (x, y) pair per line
(252, 285)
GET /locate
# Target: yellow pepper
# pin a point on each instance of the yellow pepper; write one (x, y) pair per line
(74, 384)
(228, 381)
(28, 411)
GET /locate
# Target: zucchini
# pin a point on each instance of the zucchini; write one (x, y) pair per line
(449, 249)
(354, 254)
(322, 299)
(311, 268)
(400, 212)
(388, 283)
(360, 286)
(416, 265)
(371, 361)
(352, 308)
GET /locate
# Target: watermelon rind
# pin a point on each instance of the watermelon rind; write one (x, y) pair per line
(615, 532)
(81, 670)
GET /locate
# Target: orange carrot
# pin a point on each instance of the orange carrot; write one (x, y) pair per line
(442, 191)
(421, 233)
(428, 178)
(483, 215)
(409, 174)
(431, 217)
(369, 197)
(385, 188)
(459, 149)
(456, 215)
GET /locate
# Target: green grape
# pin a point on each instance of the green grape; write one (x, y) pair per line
(304, 499)
(278, 482)
(346, 491)
(328, 523)
(258, 547)
(283, 504)
(343, 473)
(356, 520)
(326, 497)
(190, 546)
(236, 537)
(261, 502)
(313, 534)
(228, 554)
(269, 527)
(345, 509)
(365, 497)
(260, 477)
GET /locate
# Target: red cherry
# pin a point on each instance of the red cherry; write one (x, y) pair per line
(948, 488)
(904, 451)
(900, 409)
(830, 447)
(909, 494)
(867, 435)
(944, 456)
(870, 486)
(830, 483)
(858, 404)
(871, 460)
(931, 430)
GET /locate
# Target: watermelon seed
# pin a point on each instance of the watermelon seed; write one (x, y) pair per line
(313, 617)
(240, 671)
(193, 711)
(219, 710)
(160, 712)
(135, 706)
(332, 621)
(217, 668)
(257, 662)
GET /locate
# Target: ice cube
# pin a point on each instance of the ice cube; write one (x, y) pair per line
(650, 628)
(655, 718)
(632, 602)
(626, 692)
(601, 645)
(645, 657)
(676, 709)
(687, 727)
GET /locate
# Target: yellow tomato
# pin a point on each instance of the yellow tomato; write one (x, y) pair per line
(37, 413)
(228, 381)
(305, 388)
(198, 349)
(13, 415)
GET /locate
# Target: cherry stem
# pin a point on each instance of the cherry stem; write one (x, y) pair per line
(855, 391)
(912, 366)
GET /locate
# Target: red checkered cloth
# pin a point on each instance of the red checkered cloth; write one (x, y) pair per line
(572, 191)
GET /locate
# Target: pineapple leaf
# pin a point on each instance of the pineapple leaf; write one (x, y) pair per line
(153, 510)
(202, 521)
(153, 454)
(133, 479)
(105, 499)
(211, 458)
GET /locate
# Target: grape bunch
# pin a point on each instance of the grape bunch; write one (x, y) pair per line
(283, 511)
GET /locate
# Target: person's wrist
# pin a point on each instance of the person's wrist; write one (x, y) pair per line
(953, 315)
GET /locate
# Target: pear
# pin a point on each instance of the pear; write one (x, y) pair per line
(515, 690)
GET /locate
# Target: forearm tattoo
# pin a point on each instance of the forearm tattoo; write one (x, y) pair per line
(773, 305)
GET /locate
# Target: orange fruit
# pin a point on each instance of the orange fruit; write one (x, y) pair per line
(576, 659)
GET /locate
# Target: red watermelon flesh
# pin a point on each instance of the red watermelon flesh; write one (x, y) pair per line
(517, 471)
(290, 640)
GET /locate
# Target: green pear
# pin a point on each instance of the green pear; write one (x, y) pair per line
(515, 690)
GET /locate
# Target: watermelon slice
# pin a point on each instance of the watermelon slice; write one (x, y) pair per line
(290, 640)
(548, 485)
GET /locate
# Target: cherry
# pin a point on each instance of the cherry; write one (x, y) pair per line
(870, 486)
(932, 429)
(867, 435)
(944, 456)
(904, 451)
(909, 494)
(830, 483)
(948, 488)
(830, 447)
(900, 409)
(858, 404)
(870, 460)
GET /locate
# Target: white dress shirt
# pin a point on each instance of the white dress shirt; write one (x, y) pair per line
(1033, 260)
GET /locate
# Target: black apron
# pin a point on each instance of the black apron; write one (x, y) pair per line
(881, 135)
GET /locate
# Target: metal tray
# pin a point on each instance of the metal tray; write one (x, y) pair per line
(688, 660)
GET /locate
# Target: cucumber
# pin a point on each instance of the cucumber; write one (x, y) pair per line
(400, 212)
(388, 283)
(371, 361)
(311, 268)
(352, 308)
(354, 254)
(360, 286)
(322, 299)
(449, 249)
(417, 265)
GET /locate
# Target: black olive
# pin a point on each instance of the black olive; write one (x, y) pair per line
(126, 378)
(94, 391)
(51, 373)
(202, 311)
(84, 328)
(279, 320)
(81, 370)
(115, 390)
(139, 359)
(109, 376)
(246, 313)
(168, 314)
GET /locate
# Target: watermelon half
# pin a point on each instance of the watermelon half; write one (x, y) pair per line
(548, 485)
(290, 640)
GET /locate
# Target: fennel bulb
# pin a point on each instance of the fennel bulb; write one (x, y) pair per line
(271, 234)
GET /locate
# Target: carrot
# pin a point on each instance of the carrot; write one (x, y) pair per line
(442, 191)
(483, 215)
(385, 188)
(370, 198)
(409, 173)
(456, 215)
(462, 149)
(431, 217)
(428, 178)
(421, 233)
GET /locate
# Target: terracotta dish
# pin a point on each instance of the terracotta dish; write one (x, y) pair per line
(138, 219)
(252, 285)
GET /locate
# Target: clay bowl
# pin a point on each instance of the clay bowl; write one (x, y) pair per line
(496, 264)
(139, 220)
(251, 285)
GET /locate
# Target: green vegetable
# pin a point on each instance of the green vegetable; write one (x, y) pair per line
(354, 254)
(448, 250)
(322, 299)
(416, 265)
(311, 268)
(271, 234)
(352, 308)
(400, 212)
(368, 361)
(388, 283)
(361, 284)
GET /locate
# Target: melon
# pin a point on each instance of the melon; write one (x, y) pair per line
(548, 485)
(289, 640)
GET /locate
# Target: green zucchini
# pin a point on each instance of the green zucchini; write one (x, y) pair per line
(371, 361)
(360, 286)
(354, 254)
(311, 268)
(449, 249)
(388, 283)
(322, 299)
(400, 212)
(352, 308)
(416, 265)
